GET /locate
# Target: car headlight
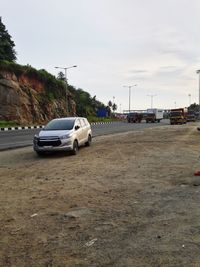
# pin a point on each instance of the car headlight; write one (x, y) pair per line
(36, 137)
(67, 136)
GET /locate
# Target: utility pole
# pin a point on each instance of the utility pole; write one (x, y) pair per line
(189, 95)
(65, 69)
(152, 96)
(198, 72)
(129, 95)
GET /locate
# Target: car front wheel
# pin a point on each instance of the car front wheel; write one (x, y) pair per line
(89, 141)
(75, 148)
(40, 153)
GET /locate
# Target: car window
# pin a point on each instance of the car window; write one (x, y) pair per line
(56, 125)
(86, 122)
(83, 122)
(78, 123)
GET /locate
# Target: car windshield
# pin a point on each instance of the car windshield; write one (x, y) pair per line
(173, 114)
(56, 125)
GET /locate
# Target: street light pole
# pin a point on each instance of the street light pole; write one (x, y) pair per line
(65, 69)
(152, 96)
(129, 95)
(198, 72)
(189, 95)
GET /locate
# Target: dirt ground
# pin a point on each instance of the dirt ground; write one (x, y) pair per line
(128, 200)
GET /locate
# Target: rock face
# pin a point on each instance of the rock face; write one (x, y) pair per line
(24, 100)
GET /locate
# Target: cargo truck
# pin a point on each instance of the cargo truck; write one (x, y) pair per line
(134, 117)
(154, 115)
(178, 115)
(191, 115)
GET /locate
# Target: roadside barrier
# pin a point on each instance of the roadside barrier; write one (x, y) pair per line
(42, 126)
(21, 128)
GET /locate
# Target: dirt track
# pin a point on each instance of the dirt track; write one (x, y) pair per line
(129, 200)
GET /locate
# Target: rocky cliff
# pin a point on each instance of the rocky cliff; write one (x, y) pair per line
(27, 100)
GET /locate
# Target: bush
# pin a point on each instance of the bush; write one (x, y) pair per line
(97, 119)
(4, 124)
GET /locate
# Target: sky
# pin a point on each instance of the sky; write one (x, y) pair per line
(151, 45)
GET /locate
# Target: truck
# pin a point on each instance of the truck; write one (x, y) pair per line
(191, 116)
(134, 117)
(154, 115)
(178, 115)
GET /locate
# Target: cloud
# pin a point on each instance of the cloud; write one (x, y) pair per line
(138, 71)
(152, 43)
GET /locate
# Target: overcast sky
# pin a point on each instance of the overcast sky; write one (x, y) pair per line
(152, 43)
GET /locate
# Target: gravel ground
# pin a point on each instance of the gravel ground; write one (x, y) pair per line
(128, 200)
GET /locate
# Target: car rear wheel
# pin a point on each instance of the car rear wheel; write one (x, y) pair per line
(75, 148)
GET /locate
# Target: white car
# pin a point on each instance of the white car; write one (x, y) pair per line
(63, 134)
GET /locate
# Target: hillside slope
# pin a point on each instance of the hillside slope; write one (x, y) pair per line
(31, 96)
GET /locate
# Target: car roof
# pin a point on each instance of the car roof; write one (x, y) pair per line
(69, 118)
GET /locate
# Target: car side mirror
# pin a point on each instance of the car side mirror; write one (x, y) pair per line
(77, 127)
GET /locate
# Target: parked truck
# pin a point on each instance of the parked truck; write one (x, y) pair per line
(191, 116)
(154, 115)
(134, 117)
(178, 115)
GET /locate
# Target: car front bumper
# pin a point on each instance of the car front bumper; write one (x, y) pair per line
(66, 145)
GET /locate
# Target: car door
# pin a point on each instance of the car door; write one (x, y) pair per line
(85, 130)
(79, 132)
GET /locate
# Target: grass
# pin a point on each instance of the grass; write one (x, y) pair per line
(97, 119)
(5, 124)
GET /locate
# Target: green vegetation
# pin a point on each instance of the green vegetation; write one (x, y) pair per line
(85, 104)
(96, 119)
(4, 124)
(54, 88)
(7, 51)
(194, 107)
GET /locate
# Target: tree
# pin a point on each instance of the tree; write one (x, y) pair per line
(61, 76)
(114, 107)
(108, 111)
(85, 104)
(110, 103)
(7, 51)
(195, 107)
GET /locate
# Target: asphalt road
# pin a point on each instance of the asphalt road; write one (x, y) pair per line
(22, 138)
